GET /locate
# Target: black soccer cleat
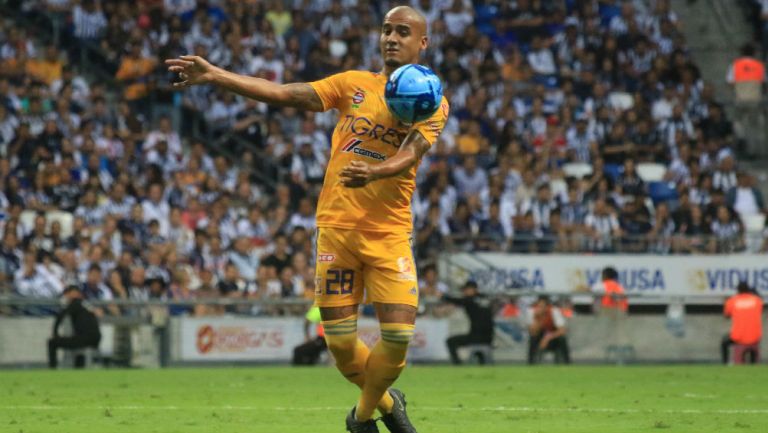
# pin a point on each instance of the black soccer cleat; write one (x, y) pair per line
(397, 421)
(355, 426)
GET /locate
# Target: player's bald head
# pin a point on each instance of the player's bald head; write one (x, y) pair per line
(410, 16)
(403, 37)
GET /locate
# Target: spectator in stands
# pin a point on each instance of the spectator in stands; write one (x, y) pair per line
(245, 259)
(430, 286)
(304, 217)
(662, 229)
(573, 213)
(34, 280)
(547, 332)
(135, 70)
(462, 226)
(430, 237)
(727, 233)
(280, 258)
(94, 287)
(491, 233)
(745, 198)
(85, 329)
(724, 178)
(470, 179)
(745, 310)
(602, 226)
(48, 67)
(747, 75)
(10, 259)
(155, 208)
(478, 311)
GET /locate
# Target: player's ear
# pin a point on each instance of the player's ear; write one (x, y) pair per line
(424, 42)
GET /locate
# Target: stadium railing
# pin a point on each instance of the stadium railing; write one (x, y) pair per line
(748, 242)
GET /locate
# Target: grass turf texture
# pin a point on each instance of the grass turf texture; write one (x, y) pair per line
(441, 400)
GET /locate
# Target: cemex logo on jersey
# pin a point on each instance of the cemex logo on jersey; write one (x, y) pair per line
(353, 146)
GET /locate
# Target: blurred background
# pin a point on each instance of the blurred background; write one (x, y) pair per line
(583, 134)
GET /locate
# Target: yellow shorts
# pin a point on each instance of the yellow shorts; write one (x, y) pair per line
(356, 266)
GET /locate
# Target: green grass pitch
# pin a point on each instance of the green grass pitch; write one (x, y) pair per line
(502, 399)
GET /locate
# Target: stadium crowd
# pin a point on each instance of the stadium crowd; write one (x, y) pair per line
(575, 126)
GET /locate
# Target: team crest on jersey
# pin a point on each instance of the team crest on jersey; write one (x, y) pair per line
(353, 146)
(358, 98)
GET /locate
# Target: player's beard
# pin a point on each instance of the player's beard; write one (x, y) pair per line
(393, 63)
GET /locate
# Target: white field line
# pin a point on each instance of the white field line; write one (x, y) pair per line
(417, 408)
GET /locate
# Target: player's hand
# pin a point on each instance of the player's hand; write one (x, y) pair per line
(191, 69)
(357, 174)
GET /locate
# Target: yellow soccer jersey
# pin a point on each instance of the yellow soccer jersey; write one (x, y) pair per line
(367, 131)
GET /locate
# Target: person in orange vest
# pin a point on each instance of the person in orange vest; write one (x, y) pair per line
(747, 75)
(613, 308)
(745, 309)
(613, 293)
(308, 353)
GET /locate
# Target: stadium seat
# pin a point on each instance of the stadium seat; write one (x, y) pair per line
(90, 354)
(621, 100)
(64, 218)
(577, 169)
(661, 192)
(651, 172)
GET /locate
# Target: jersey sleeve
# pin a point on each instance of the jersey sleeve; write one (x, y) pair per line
(331, 89)
(432, 127)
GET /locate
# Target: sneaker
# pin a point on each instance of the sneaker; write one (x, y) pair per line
(355, 426)
(397, 421)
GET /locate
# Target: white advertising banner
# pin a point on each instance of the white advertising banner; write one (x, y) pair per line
(428, 342)
(646, 274)
(239, 338)
(266, 339)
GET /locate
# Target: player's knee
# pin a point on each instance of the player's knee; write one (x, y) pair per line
(341, 337)
(396, 337)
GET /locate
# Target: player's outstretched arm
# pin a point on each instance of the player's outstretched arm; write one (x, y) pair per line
(359, 173)
(195, 70)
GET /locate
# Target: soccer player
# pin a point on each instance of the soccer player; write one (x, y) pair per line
(363, 212)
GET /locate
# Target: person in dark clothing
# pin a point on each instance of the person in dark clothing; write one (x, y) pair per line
(308, 353)
(478, 309)
(546, 330)
(85, 328)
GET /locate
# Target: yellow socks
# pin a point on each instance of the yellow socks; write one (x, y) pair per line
(386, 361)
(351, 354)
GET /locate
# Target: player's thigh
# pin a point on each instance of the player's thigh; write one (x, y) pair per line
(338, 273)
(389, 274)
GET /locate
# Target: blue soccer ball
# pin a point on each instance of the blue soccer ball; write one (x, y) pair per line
(413, 93)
